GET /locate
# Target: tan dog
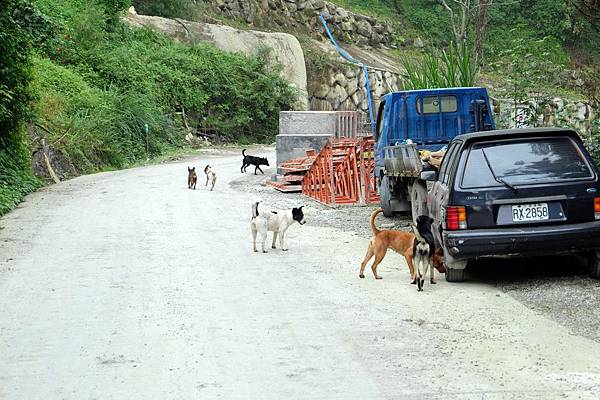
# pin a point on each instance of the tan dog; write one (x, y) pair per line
(399, 241)
(210, 176)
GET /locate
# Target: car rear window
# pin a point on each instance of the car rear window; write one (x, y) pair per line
(541, 160)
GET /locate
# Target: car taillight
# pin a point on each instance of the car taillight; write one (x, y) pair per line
(456, 218)
(597, 208)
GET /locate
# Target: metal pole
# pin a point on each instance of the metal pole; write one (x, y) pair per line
(146, 131)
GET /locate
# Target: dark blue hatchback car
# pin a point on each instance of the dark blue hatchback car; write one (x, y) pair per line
(516, 193)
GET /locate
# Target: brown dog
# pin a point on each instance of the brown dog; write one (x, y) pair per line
(192, 178)
(399, 241)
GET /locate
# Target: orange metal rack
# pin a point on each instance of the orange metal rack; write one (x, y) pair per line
(343, 173)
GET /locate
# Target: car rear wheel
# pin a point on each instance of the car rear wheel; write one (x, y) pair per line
(455, 275)
(385, 196)
(594, 263)
(455, 269)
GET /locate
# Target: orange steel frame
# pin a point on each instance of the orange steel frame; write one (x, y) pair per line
(343, 173)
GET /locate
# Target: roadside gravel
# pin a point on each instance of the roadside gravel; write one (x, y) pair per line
(558, 288)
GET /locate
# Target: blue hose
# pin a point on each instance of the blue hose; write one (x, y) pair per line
(353, 61)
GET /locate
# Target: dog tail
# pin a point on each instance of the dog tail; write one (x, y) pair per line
(255, 209)
(373, 216)
(244, 152)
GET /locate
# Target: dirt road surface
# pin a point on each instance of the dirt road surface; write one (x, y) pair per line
(127, 285)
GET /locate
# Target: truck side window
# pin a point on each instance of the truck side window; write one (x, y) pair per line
(379, 123)
(431, 104)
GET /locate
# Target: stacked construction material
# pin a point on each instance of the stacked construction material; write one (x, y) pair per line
(293, 172)
(299, 133)
(343, 173)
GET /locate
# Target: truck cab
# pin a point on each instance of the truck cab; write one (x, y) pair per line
(415, 120)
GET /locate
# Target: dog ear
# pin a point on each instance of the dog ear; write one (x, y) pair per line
(193, 168)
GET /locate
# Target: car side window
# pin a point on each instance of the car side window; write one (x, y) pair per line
(445, 167)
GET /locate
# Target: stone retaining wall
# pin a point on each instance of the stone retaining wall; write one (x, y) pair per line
(304, 14)
(343, 89)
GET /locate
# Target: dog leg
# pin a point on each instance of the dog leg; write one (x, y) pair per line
(206, 184)
(261, 171)
(253, 227)
(274, 240)
(282, 240)
(368, 256)
(421, 274)
(378, 259)
(411, 267)
(263, 240)
(432, 273)
(213, 184)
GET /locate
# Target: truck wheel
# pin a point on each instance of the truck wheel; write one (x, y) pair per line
(594, 263)
(418, 200)
(385, 196)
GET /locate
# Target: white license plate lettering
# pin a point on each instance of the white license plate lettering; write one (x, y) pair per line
(530, 212)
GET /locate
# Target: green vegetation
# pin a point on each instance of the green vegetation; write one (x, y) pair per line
(89, 85)
(448, 68)
(16, 177)
(550, 31)
(186, 9)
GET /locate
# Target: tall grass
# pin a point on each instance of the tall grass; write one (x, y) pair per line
(455, 66)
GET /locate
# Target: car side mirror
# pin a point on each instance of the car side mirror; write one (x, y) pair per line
(428, 176)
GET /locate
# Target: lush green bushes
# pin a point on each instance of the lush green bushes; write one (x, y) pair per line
(103, 81)
(96, 83)
(16, 178)
(186, 9)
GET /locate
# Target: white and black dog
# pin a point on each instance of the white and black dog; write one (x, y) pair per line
(423, 250)
(210, 176)
(277, 222)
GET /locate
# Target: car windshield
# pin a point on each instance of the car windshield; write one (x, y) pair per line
(541, 160)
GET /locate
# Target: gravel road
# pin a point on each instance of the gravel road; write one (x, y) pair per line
(127, 285)
(559, 288)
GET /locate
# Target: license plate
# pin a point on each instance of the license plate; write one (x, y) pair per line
(530, 212)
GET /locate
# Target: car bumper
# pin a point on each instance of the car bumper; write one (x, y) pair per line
(523, 241)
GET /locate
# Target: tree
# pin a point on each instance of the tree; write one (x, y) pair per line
(461, 18)
(463, 15)
(15, 46)
(589, 10)
(481, 27)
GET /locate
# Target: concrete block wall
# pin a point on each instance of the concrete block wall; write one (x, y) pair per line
(301, 130)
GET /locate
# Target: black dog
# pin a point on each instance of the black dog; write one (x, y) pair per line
(251, 160)
(423, 250)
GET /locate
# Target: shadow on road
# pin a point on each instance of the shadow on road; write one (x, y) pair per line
(515, 271)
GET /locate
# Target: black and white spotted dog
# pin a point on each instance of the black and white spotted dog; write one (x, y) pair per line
(423, 250)
(277, 222)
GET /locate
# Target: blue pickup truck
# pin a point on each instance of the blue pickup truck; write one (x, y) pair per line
(416, 120)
